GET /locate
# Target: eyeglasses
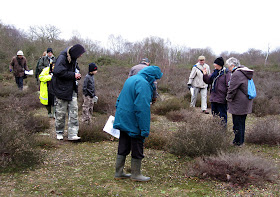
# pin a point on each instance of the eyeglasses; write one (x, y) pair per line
(201, 60)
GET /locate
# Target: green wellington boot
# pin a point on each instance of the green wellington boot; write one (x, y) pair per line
(119, 168)
(136, 171)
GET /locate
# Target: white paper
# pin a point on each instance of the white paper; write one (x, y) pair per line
(109, 127)
(28, 72)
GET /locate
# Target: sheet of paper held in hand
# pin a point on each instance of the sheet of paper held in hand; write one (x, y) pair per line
(109, 127)
(30, 72)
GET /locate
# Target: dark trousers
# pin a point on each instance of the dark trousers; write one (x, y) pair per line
(220, 110)
(127, 144)
(239, 128)
(19, 81)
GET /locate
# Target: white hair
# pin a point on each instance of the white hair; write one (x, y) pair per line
(233, 61)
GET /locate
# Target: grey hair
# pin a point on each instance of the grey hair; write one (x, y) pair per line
(233, 61)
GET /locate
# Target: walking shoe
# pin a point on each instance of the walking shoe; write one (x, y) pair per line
(206, 112)
(59, 136)
(75, 137)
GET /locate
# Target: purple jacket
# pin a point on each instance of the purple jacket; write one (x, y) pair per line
(238, 101)
(219, 87)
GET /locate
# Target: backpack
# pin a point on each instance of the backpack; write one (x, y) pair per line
(252, 93)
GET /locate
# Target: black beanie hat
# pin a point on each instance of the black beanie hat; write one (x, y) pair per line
(49, 50)
(92, 67)
(219, 61)
(76, 51)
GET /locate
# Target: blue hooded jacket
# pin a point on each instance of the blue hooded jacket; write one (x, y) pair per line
(133, 113)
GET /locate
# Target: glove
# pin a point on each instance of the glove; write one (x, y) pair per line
(11, 70)
(189, 86)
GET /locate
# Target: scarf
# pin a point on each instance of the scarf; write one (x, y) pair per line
(215, 75)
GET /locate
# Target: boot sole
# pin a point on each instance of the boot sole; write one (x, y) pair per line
(136, 180)
(119, 178)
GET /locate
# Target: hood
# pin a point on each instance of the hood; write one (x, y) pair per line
(151, 73)
(246, 71)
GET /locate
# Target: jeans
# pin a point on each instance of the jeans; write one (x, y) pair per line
(19, 81)
(127, 144)
(220, 110)
(239, 128)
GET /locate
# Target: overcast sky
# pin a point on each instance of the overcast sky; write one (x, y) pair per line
(222, 25)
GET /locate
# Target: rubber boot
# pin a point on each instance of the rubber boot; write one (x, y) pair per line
(119, 168)
(136, 171)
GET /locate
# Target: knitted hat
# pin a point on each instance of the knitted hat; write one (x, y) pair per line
(219, 61)
(92, 67)
(49, 50)
(76, 51)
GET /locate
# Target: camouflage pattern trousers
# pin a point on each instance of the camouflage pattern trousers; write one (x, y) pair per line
(71, 108)
(87, 109)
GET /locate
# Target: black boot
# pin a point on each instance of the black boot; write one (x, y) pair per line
(119, 168)
(136, 171)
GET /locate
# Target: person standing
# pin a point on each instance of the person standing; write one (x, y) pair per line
(89, 93)
(196, 82)
(46, 97)
(239, 104)
(218, 80)
(18, 65)
(65, 88)
(37, 67)
(45, 61)
(132, 118)
(135, 69)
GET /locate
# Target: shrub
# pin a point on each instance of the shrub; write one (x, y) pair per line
(157, 140)
(240, 169)
(17, 147)
(265, 131)
(199, 137)
(93, 132)
(180, 115)
(172, 104)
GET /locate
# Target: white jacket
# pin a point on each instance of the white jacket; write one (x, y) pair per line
(196, 76)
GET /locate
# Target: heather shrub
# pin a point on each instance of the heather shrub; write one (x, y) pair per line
(171, 104)
(157, 140)
(265, 131)
(17, 144)
(199, 137)
(239, 169)
(93, 132)
(180, 115)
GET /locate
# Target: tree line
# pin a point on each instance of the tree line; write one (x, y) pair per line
(119, 51)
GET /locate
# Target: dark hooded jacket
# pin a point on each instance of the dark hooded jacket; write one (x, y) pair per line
(63, 81)
(237, 97)
(219, 85)
(133, 104)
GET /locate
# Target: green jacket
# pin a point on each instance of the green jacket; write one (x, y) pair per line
(44, 77)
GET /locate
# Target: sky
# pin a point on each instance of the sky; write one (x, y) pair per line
(222, 25)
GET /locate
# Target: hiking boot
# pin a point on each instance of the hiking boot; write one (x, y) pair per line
(59, 136)
(119, 168)
(75, 137)
(205, 112)
(136, 171)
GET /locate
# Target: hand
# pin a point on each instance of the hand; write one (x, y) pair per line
(189, 86)
(11, 70)
(78, 76)
(204, 71)
(154, 100)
